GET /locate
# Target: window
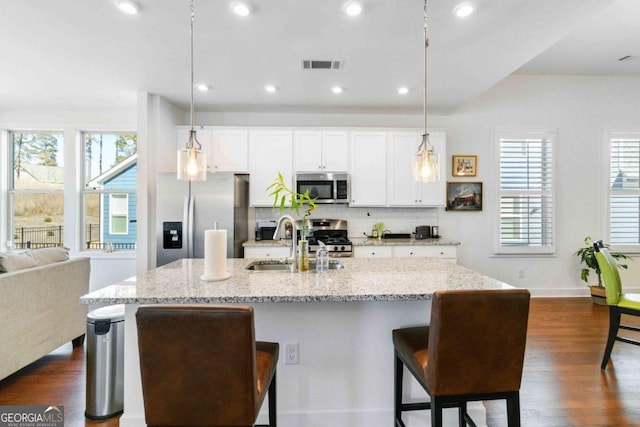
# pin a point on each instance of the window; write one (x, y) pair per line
(624, 185)
(118, 215)
(526, 206)
(110, 175)
(36, 190)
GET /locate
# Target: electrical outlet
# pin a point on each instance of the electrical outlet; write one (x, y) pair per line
(521, 274)
(291, 353)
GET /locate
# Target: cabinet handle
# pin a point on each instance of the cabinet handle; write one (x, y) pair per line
(410, 253)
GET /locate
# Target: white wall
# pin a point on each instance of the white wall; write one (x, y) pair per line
(581, 110)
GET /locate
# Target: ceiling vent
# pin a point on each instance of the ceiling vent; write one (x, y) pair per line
(316, 64)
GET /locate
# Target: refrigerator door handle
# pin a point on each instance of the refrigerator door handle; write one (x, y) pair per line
(192, 218)
(187, 219)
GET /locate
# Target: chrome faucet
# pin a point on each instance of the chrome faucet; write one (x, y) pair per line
(294, 237)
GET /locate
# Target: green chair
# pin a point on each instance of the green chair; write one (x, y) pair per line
(619, 303)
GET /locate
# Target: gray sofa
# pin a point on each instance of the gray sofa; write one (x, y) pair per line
(40, 311)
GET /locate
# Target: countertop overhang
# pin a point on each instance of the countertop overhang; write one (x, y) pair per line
(382, 279)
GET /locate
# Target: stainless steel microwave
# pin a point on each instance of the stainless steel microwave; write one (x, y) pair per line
(325, 187)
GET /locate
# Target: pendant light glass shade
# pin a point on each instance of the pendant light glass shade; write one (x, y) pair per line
(192, 161)
(426, 164)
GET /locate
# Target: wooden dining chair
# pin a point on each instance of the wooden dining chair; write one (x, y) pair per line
(201, 366)
(619, 303)
(472, 350)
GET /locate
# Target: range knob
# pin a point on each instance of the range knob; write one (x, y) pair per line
(335, 248)
(342, 248)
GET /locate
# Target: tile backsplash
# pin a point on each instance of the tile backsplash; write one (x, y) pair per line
(361, 220)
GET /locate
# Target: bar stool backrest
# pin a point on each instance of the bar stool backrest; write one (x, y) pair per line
(477, 341)
(198, 365)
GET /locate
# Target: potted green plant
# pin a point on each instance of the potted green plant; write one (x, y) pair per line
(283, 198)
(587, 256)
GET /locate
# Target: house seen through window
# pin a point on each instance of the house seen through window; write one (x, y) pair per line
(110, 172)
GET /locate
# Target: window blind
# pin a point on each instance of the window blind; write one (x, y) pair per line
(526, 193)
(624, 202)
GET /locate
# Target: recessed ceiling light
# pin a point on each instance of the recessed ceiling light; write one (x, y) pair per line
(270, 88)
(464, 9)
(336, 89)
(202, 87)
(126, 6)
(240, 8)
(403, 90)
(352, 8)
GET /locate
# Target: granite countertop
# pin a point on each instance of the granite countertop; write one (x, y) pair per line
(361, 241)
(382, 279)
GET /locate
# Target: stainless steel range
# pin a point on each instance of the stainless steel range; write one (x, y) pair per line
(331, 232)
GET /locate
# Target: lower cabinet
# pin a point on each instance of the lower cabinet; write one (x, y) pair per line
(373, 251)
(267, 252)
(448, 253)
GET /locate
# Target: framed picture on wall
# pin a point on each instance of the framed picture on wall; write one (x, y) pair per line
(464, 165)
(464, 196)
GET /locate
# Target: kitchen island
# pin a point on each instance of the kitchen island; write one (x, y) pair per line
(340, 322)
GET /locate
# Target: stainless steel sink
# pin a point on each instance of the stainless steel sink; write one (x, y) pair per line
(279, 265)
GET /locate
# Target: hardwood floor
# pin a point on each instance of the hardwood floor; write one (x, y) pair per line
(562, 384)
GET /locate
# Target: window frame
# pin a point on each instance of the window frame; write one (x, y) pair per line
(524, 250)
(608, 191)
(85, 190)
(9, 189)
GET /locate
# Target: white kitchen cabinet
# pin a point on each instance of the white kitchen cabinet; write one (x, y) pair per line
(448, 253)
(226, 150)
(403, 190)
(276, 252)
(372, 251)
(320, 151)
(444, 252)
(230, 150)
(270, 153)
(368, 169)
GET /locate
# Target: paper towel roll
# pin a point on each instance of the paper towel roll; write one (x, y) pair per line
(215, 255)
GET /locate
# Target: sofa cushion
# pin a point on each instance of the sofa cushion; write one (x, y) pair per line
(20, 260)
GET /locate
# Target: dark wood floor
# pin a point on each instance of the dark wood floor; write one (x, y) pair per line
(562, 383)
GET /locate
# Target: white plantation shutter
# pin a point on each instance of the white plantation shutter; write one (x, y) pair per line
(526, 195)
(624, 182)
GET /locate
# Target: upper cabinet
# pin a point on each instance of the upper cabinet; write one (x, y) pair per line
(403, 190)
(270, 153)
(320, 151)
(227, 150)
(368, 168)
(230, 150)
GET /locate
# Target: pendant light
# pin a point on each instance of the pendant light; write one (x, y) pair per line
(192, 161)
(426, 167)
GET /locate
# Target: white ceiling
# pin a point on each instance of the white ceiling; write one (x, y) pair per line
(70, 54)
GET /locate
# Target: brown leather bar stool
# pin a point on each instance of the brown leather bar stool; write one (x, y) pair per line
(472, 350)
(201, 366)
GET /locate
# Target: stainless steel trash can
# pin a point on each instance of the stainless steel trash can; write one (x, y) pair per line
(105, 362)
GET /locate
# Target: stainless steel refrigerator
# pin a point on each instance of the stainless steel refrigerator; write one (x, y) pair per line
(184, 210)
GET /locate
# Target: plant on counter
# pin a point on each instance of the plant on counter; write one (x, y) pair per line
(587, 256)
(283, 198)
